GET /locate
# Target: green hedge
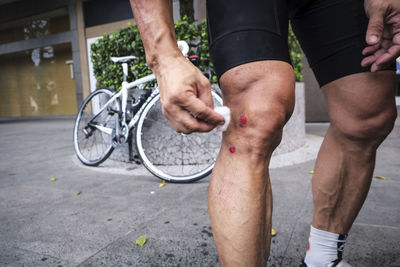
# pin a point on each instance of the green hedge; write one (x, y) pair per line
(295, 55)
(127, 41)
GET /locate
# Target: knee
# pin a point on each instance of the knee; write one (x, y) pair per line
(262, 131)
(260, 107)
(370, 128)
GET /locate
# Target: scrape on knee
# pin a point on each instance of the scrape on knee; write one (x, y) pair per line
(243, 120)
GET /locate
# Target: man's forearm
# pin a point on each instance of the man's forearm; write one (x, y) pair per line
(155, 22)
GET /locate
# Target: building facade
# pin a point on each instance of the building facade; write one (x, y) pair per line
(44, 63)
(44, 55)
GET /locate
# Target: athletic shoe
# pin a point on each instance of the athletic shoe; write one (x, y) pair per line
(341, 263)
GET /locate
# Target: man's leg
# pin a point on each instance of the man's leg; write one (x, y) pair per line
(261, 98)
(362, 111)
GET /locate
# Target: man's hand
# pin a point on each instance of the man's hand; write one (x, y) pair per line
(185, 92)
(383, 33)
(186, 96)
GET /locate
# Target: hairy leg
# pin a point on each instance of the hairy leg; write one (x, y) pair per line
(362, 112)
(261, 98)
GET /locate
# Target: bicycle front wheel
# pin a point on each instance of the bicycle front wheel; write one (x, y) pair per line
(94, 128)
(173, 156)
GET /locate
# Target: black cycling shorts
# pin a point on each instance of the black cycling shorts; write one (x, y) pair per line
(331, 33)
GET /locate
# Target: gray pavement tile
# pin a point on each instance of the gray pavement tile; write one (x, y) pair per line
(45, 223)
(177, 250)
(370, 245)
(382, 205)
(292, 204)
(297, 245)
(12, 256)
(180, 235)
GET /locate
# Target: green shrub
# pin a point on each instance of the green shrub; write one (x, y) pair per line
(127, 41)
(295, 55)
(123, 42)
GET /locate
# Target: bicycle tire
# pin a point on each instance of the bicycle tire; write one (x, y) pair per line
(93, 146)
(172, 156)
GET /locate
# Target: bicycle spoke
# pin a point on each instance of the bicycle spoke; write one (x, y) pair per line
(170, 155)
(92, 135)
(181, 139)
(163, 123)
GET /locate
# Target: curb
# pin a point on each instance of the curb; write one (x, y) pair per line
(303, 154)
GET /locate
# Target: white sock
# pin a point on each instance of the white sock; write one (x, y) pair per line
(323, 248)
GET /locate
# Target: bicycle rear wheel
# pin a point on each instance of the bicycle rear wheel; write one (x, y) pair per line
(93, 130)
(173, 156)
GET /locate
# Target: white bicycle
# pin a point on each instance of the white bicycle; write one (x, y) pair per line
(106, 119)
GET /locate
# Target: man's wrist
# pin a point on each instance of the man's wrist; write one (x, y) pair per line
(162, 57)
(155, 61)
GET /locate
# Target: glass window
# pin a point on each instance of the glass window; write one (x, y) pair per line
(52, 22)
(37, 82)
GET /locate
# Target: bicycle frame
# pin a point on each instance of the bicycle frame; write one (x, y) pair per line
(123, 95)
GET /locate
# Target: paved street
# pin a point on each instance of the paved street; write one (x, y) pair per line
(48, 223)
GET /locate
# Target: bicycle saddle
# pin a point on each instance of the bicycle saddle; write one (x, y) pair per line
(123, 59)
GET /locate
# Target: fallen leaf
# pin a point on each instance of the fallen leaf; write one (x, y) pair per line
(53, 179)
(162, 184)
(79, 192)
(273, 232)
(306, 146)
(311, 172)
(380, 177)
(141, 241)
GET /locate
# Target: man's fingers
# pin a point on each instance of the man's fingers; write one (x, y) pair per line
(388, 57)
(368, 61)
(375, 27)
(184, 122)
(374, 67)
(372, 58)
(191, 125)
(370, 50)
(204, 113)
(381, 58)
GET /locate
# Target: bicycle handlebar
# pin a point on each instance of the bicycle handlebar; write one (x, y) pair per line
(184, 46)
(194, 43)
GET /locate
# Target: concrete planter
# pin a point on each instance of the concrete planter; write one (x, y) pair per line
(294, 132)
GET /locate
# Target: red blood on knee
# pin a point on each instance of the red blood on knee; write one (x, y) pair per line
(232, 149)
(243, 119)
